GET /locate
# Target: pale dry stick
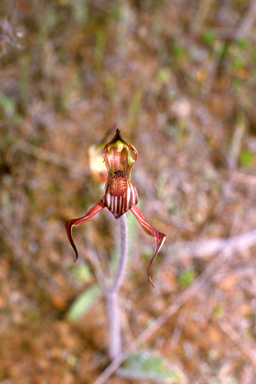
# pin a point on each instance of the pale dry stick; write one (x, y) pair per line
(227, 252)
(242, 178)
(95, 264)
(207, 248)
(247, 21)
(180, 225)
(235, 338)
(94, 261)
(178, 327)
(203, 249)
(48, 156)
(235, 147)
(111, 368)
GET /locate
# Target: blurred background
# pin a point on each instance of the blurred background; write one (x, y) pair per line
(178, 78)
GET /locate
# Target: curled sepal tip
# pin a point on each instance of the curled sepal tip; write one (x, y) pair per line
(159, 236)
(74, 222)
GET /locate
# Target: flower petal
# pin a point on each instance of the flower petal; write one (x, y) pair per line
(96, 162)
(159, 236)
(118, 205)
(74, 222)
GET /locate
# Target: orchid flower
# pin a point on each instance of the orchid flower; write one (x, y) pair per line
(120, 193)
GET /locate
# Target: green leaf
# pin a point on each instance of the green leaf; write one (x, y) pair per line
(246, 158)
(82, 273)
(99, 49)
(136, 103)
(179, 50)
(83, 303)
(144, 365)
(163, 75)
(238, 62)
(208, 36)
(219, 311)
(7, 104)
(243, 42)
(186, 277)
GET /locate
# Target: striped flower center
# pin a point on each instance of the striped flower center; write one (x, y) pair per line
(118, 184)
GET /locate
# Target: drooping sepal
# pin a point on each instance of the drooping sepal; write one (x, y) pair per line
(74, 222)
(118, 203)
(159, 236)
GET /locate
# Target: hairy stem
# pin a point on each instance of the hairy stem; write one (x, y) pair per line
(115, 340)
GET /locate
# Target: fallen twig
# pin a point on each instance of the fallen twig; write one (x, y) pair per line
(246, 22)
(234, 244)
(207, 248)
(242, 178)
(235, 338)
(48, 156)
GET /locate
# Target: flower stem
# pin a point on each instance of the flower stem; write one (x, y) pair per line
(115, 339)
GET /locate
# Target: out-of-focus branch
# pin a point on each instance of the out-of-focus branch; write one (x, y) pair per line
(207, 248)
(246, 22)
(94, 261)
(233, 155)
(48, 156)
(235, 338)
(229, 247)
(241, 177)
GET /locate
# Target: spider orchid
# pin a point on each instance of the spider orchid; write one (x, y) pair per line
(120, 193)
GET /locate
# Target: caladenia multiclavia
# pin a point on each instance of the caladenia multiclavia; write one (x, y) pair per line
(120, 193)
(120, 196)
